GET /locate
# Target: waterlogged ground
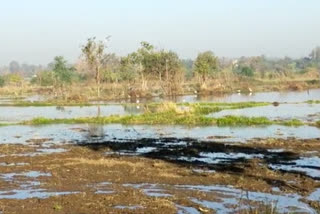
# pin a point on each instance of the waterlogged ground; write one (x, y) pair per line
(58, 112)
(286, 96)
(161, 169)
(302, 111)
(144, 169)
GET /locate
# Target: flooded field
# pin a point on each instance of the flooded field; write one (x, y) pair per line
(59, 112)
(301, 111)
(91, 168)
(286, 96)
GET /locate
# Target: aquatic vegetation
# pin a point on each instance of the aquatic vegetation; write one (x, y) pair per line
(313, 101)
(165, 118)
(241, 121)
(168, 113)
(293, 122)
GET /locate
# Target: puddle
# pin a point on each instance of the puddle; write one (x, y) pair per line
(216, 158)
(203, 171)
(27, 188)
(306, 165)
(102, 188)
(232, 197)
(186, 210)
(13, 164)
(150, 189)
(51, 150)
(315, 196)
(128, 207)
(30, 174)
(30, 193)
(305, 112)
(229, 199)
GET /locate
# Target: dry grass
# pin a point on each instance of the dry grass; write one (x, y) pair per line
(104, 162)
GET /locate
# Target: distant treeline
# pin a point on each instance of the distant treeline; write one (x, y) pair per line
(147, 63)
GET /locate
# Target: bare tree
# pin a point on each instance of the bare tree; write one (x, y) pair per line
(95, 56)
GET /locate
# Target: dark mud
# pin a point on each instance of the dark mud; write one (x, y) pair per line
(211, 155)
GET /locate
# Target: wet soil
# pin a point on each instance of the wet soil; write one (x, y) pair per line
(157, 175)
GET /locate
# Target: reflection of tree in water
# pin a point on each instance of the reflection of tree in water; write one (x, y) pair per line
(95, 132)
(60, 108)
(99, 111)
(133, 109)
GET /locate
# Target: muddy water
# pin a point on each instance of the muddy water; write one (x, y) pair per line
(303, 111)
(18, 114)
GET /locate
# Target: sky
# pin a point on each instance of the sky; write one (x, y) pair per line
(35, 31)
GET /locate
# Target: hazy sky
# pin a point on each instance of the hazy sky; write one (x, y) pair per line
(34, 31)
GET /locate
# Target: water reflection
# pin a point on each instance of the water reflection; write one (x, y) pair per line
(18, 114)
(288, 96)
(303, 111)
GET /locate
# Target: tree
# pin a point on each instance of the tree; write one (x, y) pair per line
(62, 72)
(187, 65)
(44, 78)
(206, 63)
(246, 71)
(315, 54)
(94, 54)
(149, 62)
(14, 67)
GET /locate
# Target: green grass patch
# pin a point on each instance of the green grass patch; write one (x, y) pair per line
(243, 121)
(191, 114)
(313, 101)
(168, 118)
(293, 122)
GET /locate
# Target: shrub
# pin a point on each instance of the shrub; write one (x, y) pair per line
(2, 81)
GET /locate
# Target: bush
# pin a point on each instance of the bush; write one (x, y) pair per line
(246, 71)
(2, 81)
(44, 78)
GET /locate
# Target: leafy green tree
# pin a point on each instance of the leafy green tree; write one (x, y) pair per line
(246, 71)
(14, 79)
(205, 64)
(150, 63)
(62, 72)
